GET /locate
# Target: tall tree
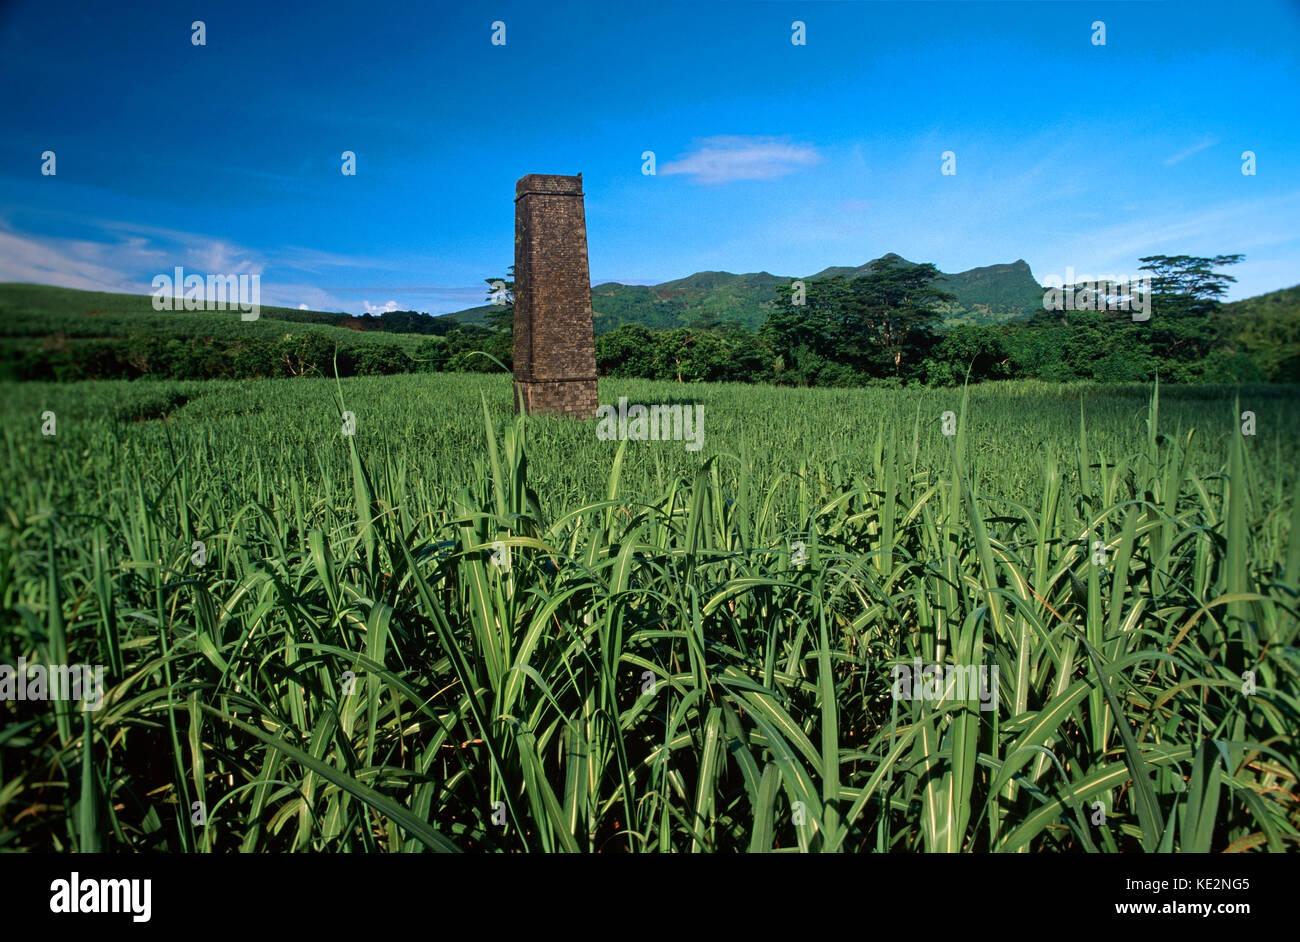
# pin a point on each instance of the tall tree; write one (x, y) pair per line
(1185, 293)
(502, 315)
(887, 315)
(1188, 285)
(802, 329)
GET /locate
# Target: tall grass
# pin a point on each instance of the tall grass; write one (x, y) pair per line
(458, 629)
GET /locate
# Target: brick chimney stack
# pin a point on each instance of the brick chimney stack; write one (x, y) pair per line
(555, 347)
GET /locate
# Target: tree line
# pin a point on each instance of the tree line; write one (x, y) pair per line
(882, 329)
(878, 329)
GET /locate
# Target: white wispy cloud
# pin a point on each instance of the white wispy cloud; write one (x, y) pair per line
(381, 309)
(125, 256)
(1260, 228)
(1195, 149)
(727, 158)
(123, 260)
(71, 263)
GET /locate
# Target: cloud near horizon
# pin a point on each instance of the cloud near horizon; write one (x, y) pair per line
(124, 258)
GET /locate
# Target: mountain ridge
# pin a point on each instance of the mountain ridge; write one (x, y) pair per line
(989, 294)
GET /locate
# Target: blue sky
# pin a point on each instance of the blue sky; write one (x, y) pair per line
(225, 158)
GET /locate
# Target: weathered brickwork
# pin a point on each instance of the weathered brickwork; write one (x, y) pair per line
(555, 347)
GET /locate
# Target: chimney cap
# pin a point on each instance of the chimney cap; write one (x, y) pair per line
(551, 184)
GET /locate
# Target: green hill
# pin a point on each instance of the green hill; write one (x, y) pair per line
(1267, 327)
(472, 315)
(63, 333)
(990, 295)
(993, 294)
(47, 311)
